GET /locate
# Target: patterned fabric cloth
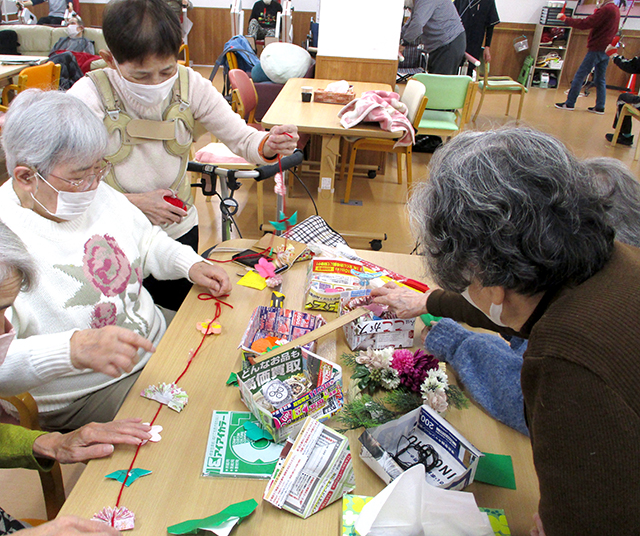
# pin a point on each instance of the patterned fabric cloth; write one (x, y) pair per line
(315, 229)
(9, 525)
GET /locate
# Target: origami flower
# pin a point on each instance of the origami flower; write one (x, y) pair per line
(155, 434)
(209, 328)
(167, 393)
(120, 517)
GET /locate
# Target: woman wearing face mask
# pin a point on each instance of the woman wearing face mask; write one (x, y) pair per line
(517, 236)
(85, 334)
(144, 87)
(34, 449)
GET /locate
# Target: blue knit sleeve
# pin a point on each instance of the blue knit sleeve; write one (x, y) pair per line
(488, 367)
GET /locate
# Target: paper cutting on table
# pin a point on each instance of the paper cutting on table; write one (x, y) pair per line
(169, 394)
(233, 379)
(255, 433)
(134, 475)
(208, 327)
(155, 434)
(253, 280)
(231, 453)
(265, 268)
(220, 523)
(497, 470)
(120, 517)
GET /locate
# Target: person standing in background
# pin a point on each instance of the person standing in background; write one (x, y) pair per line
(478, 18)
(604, 26)
(437, 25)
(56, 10)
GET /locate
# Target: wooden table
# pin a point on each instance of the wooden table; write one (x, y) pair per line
(8, 71)
(320, 118)
(176, 491)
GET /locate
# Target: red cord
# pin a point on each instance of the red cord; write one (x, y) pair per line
(202, 296)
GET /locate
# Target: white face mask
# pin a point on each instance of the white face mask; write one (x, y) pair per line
(495, 311)
(70, 205)
(149, 95)
(73, 30)
(268, 2)
(6, 340)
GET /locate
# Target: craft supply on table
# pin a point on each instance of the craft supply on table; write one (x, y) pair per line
(316, 471)
(326, 279)
(219, 524)
(231, 452)
(316, 390)
(497, 470)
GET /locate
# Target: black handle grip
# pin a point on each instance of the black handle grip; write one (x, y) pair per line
(287, 162)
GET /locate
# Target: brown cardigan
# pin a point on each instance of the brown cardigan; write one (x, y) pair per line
(581, 385)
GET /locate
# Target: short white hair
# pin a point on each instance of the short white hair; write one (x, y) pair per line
(14, 258)
(45, 128)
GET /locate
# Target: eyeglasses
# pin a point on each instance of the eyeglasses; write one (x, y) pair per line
(83, 184)
(410, 451)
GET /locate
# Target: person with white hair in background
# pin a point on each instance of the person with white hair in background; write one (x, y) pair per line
(34, 449)
(85, 334)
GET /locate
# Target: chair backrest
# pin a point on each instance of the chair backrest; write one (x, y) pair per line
(413, 95)
(246, 93)
(445, 92)
(46, 77)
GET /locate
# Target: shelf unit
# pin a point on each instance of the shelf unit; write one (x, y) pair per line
(547, 22)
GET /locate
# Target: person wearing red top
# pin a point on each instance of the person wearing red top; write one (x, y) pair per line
(603, 25)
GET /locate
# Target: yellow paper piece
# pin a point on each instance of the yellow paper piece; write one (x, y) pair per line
(253, 280)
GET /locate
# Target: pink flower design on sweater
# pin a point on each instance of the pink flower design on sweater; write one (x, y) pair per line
(104, 314)
(105, 265)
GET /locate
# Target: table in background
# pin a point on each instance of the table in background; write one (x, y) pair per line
(8, 71)
(321, 118)
(176, 491)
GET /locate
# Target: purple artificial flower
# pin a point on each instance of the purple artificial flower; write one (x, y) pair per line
(402, 361)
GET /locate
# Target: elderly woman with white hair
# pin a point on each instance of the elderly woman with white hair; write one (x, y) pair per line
(87, 331)
(519, 239)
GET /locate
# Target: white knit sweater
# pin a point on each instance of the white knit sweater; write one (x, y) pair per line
(150, 166)
(90, 273)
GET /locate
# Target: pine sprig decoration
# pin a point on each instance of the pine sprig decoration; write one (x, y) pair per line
(402, 401)
(456, 398)
(349, 359)
(364, 410)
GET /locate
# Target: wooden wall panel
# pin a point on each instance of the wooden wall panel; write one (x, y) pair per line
(211, 28)
(505, 60)
(357, 69)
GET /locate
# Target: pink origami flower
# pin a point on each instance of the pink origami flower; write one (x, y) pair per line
(265, 268)
(121, 518)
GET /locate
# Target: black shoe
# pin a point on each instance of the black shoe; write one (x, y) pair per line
(622, 139)
(595, 110)
(563, 106)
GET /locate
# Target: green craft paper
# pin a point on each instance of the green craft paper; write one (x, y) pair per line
(233, 379)
(497, 470)
(136, 473)
(255, 433)
(427, 319)
(240, 510)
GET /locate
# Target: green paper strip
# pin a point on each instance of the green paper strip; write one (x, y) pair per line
(240, 510)
(497, 470)
(134, 475)
(233, 379)
(427, 319)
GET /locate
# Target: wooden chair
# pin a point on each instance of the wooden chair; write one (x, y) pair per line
(627, 110)
(46, 77)
(51, 481)
(499, 85)
(184, 48)
(450, 98)
(244, 97)
(415, 100)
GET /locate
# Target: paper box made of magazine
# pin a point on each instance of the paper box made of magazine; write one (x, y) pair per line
(285, 389)
(391, 447)
(379, 328)
(326, 279)
(277, 323)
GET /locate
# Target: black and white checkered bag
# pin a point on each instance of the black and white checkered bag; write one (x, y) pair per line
(315, 229)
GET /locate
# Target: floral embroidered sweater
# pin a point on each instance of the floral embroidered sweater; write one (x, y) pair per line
(149, 166)
(90, 273)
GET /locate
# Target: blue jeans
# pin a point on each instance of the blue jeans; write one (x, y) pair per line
(599, 61)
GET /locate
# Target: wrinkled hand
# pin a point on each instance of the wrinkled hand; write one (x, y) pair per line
(211, 277)
(110, 350)
(406, 303)
(71, 526)
(156, 208)
(280, 143)
(486, 55)
(538, 530)
(93, 440)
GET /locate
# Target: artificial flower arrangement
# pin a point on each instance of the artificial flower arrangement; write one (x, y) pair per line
(409, 380)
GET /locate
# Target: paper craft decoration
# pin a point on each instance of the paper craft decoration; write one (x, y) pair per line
(265, 268)
(232, 453)
(326, 278)
(220, 523)
(233, 379)
(284, 223)
(316, 387)
(121, 517)
(253, 280)
(410, 506)
(155, 434)
(497, 470)
(255, 433)
(134, 475)
(458, 458)
(208, 327)
(316, 471)
(169, 394)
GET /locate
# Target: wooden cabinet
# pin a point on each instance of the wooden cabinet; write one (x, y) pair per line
(551, 40)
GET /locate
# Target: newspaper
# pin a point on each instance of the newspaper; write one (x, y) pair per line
(316, 471)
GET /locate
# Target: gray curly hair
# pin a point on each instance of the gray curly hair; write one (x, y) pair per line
(511, 208)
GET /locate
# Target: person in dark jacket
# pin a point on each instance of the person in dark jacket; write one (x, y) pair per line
(479, 17)
(631, 66)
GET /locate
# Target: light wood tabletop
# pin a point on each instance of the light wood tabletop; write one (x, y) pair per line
(322, 118)
(8, 71)
(176, 491)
